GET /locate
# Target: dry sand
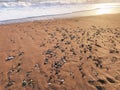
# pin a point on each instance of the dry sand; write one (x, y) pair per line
(63, 54)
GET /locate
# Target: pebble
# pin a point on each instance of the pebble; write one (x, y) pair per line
(10, 58)
(24, 83)
(21, 53)
(46, 61)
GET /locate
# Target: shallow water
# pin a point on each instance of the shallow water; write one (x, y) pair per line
(11, 11)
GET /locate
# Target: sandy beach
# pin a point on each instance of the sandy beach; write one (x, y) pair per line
(80, 53)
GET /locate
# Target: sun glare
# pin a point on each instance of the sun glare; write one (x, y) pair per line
(104, 11)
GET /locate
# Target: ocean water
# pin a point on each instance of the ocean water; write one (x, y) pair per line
(19, 9)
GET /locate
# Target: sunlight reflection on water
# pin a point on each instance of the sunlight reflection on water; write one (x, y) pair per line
(104, 11)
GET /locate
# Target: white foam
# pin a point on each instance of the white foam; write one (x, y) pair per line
(18, 10)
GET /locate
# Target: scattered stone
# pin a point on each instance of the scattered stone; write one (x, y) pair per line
(114, 59)
(19, 64)
(81, 46)
(62, 50)
(96, 63)
(81, 58)
(101, 81)
(18, 70)
(72, 74)
(67, 42)
(83, 74)
(101, 65)
(42, 45)
(28, 73)
(91, 82)
(63, 47)
(57, 71)
(90, 48)
(110, 80)
(100, 88)
(10, 83)
(85, 50)
(57, 46)
(63, 59)
(57, 64)
(45, 61)
(73, 51)
(37, 66)
(10, 58)
(96, 73)
(113, 51)
(31, 83)
(72, 37)
(61, 81)
(62, 39)
(24, 83)
(49, 84)
(80, 68)
(49, 51)
(21, 53)
(51, 79)
(89, 57)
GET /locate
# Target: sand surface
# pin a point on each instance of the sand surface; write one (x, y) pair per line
(63, 54)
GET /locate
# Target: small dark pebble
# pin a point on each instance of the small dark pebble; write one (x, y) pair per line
(24, 83)
(91, 82)
(101, 81)
(110, 80)
(19, 64)
(62, 39)
(10, 83)
(56, 46)
(81, 58)
(100, 88)
(81, 46)
(21, 53)
(101, 65)
(89, 57)
(48, 51)
(62, 50)
(45, 61)
(67, 42)
(97, 45)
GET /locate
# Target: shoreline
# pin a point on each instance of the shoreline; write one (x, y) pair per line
(86, 13)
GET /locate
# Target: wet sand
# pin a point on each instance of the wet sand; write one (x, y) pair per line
(62, 54)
